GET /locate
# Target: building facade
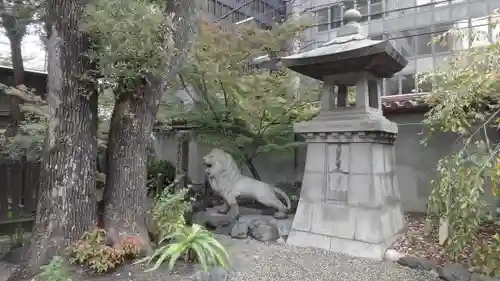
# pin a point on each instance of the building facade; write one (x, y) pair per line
(411, 24)
(264, 12)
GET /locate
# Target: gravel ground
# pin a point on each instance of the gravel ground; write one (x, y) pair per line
(256, 261)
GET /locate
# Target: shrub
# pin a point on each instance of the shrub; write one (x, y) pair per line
(168, 211)
(55, 270)
(189, 242)
(92, 251)
(487, 257)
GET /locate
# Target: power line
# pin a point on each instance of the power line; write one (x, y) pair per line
(319, 7)
(381, 12)
(447, 24)
(340, 2)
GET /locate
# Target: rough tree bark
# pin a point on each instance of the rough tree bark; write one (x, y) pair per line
(125, 193)
(130, 131)
(67, 203)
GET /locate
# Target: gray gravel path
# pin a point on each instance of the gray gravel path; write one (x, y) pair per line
(255, 261)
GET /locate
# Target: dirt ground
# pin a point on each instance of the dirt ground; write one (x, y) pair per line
(125, 273)
(415, 241)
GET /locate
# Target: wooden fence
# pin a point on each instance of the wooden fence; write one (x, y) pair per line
(19, 182)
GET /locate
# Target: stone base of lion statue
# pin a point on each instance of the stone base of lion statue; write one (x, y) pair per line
(250, 222)
(226, 180)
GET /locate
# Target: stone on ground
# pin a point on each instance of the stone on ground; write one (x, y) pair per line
(214, 274)
(418, 263)
(264, 231)
(283, 225)
(240, 230)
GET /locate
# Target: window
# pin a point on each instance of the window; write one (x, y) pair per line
(211, 7)
(218, 9)
(234, 17)
(322, 19)
(405, 45)
(392, 86)
(362, 6)
(226, 9)
(479, 32)
(408, 84)
(376, 9)
(442, 43)
(349, 4)
(332, 18)
(254, 6)
(423, 37)
(336, 16)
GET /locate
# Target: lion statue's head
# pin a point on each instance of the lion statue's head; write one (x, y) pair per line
(219, 163)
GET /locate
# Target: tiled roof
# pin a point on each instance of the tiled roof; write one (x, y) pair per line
(407, 102)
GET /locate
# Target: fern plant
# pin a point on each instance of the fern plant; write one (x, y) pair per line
(55, 270)
(186, 241)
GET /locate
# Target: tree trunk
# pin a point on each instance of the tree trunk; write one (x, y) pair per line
(131, 126)
(128, 139)
(15, 114)
(248, 158)
(253, 169)
(67, 203)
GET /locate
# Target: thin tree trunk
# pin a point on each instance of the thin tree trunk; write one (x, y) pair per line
(67, 203)
(248, 158)
(253, 169)
(15, 114)
(131, 126)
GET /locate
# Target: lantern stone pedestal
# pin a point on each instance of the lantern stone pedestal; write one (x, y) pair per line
(350, 201)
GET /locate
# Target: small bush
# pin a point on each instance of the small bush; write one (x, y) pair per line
(487, 257)
(131, 247)
(92, 251)
(55, 270)
(168, 211)
(187, 241)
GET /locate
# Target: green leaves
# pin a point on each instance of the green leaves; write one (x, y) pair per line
(244, 109)
(129, 38)
(185, 241)
(464, 100)
(55, 270)
(168, 211)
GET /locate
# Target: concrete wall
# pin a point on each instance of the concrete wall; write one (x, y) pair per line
(415, 163)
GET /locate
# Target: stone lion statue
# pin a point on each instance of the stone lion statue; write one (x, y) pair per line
(227, 180)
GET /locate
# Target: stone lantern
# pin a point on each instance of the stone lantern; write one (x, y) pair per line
(350, 201)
